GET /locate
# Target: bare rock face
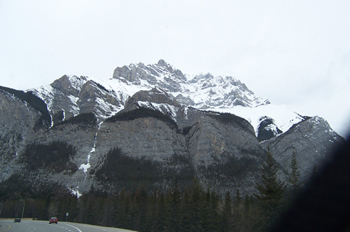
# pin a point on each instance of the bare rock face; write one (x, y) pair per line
(17, 121)
(220, 146)
(210, 143)
(312, 140)
(155, 95)
(70, 96)
(143, 137)
(93, 97)
(125, 72)
(78, 132)
(67, 87)
(22, 116)
(162, 75)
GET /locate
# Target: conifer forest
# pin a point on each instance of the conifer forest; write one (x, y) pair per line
(189, 208)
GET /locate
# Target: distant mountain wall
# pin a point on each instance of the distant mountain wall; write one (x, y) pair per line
(151, 124)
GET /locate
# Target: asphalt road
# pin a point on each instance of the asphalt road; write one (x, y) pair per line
(44, 226)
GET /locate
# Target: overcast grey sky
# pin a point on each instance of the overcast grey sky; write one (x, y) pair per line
(291, 52)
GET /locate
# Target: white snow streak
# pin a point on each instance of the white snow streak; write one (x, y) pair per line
(86, 166)
(75, 192)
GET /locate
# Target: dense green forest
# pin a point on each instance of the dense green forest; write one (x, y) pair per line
(191, 208)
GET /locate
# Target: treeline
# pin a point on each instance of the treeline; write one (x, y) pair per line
(190, 209)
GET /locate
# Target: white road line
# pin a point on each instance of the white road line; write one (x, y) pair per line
(73, 227)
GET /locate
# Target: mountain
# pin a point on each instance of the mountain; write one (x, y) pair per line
(150, 124)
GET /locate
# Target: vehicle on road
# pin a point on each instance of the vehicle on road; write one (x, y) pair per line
(17, 220)
(53, 220)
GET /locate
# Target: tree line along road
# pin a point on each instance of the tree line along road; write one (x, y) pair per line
(29, 225)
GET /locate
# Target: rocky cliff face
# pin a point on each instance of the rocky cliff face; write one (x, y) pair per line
(23, 116)
(148, 124)
(311, 140)
(203, 91)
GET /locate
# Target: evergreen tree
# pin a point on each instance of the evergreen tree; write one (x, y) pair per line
(174, 209)
(152, 212)
(44, 213)
(98, 210)
(270, 190)
(141, 199)
(214, 200)
(72, 209)
(238, 197)
(160, 219)
(90, 212)
(108, 210)
(237, 211)
(197, 205)
(226, 222)
(295, 174)
(185, 209)
(209, 212)
(122, 206)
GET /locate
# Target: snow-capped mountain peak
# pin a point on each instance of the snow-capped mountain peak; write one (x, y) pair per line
(202, 91)
(105, 98)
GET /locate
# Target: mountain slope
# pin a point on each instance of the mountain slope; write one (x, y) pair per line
(152, 123)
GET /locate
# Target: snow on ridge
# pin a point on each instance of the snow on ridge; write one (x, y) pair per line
(170, 109)
(45, 93)
(316, 120)
(74, 108)
(122, 87)
(78, 82)
(208, 90)
(145, 104)
(283, 117)
(161, 107)
(105, 109)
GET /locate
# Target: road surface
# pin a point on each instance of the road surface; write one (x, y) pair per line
(44, 226)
